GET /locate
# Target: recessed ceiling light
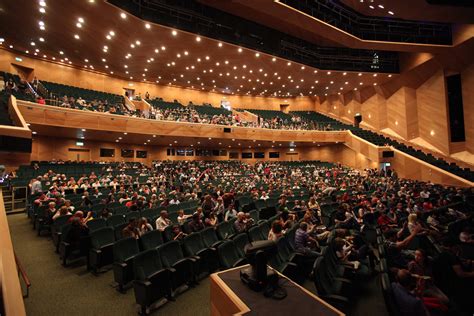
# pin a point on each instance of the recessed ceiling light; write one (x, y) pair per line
(42, 3)
(147, 25)
(76, 36)
(79, 25)
(123, 15)
(80, 20)
(42, 10)
(198, 39)
(239, 50)
(372, 7)
(41, 39)
(274, 59)
(220, 44)
(32, 44)
(174, 32)
(391, 12)
(163, 48)
(381, 6)
(257, 55)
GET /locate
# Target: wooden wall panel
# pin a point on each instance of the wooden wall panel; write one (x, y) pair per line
(55, 72)
(467, 77)
(402, 115)
(432, 112)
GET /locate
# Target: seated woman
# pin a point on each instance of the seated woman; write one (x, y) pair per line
(276, 231)
(63, 210)
(421, 269)
(210, 220)
(144, 226)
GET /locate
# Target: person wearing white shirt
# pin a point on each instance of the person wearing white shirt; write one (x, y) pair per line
(162, 222)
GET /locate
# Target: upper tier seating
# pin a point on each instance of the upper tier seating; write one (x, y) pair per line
(269, 114)
(380, 140)
(322, 122)
(60, 90)
(211, 111)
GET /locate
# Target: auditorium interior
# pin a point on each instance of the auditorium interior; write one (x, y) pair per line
(244, 157)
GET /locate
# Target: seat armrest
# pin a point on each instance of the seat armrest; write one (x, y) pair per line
(240, 262)
(184, 260)
(143, 283)
(172, 270)
(120, 264)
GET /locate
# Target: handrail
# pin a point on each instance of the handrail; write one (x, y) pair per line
(12, 296)
(24, 276)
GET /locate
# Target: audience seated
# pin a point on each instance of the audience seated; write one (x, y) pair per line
(340, 226)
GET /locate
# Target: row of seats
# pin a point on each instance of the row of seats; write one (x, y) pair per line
(59, 90)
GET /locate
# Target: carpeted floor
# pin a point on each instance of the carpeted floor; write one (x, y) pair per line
(58, 291)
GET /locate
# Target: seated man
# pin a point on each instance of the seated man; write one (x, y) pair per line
(304, 243)
(242, 223)
(131, 230)
(397, 254)
(196, 224)
(404, 293)
(162, 222)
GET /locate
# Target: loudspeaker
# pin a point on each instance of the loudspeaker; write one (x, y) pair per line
(388, 154)
(227, 130)
(455, 108)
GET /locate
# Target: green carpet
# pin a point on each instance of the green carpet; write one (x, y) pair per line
(68, 291)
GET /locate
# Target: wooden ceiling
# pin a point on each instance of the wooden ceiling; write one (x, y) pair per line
(94, 35)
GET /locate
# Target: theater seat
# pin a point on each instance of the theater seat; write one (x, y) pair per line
(124, 252)
(225, 230)
(56, 233)
(152, 280)
(209, 237)
(229, 256)
(182, 267)
(206, 258)
(101, 252)
(95, 224)
(255, 234)
(240, 241)
(151, 240)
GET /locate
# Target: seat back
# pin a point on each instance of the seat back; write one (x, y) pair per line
(240, 241)
(170, 253)
(60, 221)
(146, 264)
(224, 230)
(151, 240)
(192, 244)
(264, 228)
(255, 234)
(125, 249)
(101, 237)
(115, 220)
(228, 254)
(209, 236)
(95, 224)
